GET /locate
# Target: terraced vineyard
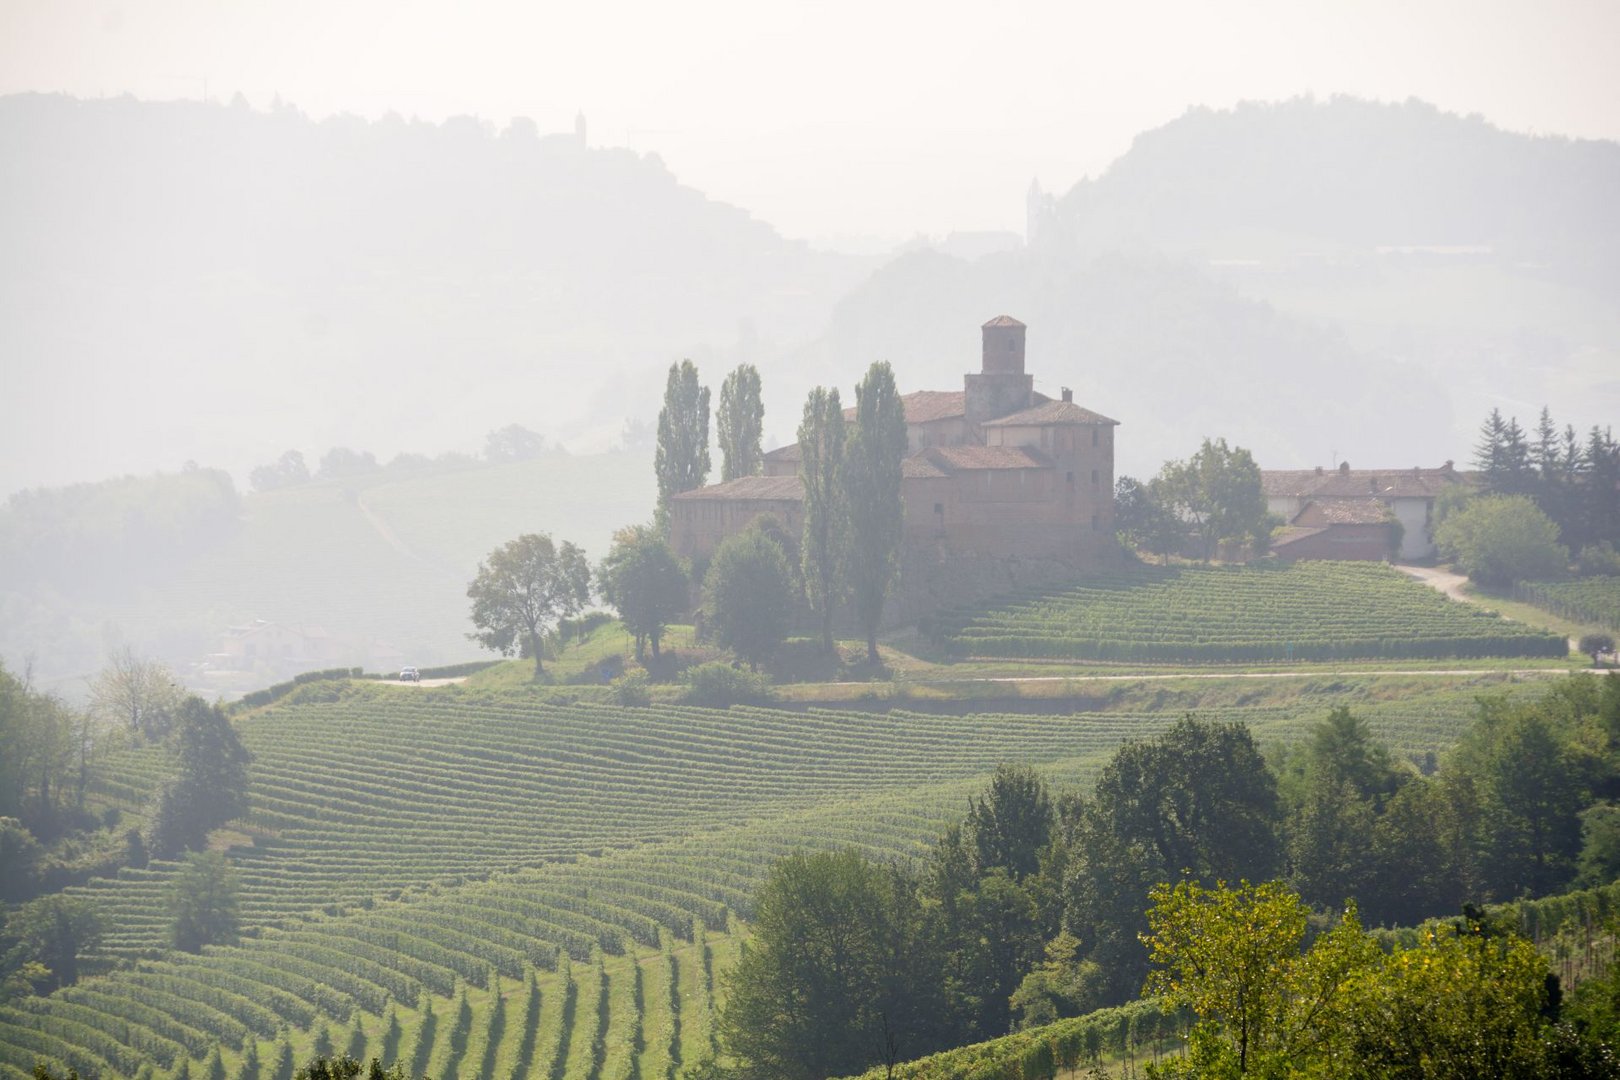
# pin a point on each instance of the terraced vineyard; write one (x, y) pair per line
(1303, 611)
(601, 853)
(1593, 600)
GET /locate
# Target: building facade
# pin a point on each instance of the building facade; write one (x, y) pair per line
(1353, 504)
(994, 471)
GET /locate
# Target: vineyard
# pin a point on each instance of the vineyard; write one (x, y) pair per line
(1594, 600)
(509, 888)
(1299, 612)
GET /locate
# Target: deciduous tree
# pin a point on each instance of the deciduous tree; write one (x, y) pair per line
(210, 783)
(1500, 539)
(748, 595)
(644, 582)
(521, 591)
(202, 897)
(1217, 492)
(136, 694)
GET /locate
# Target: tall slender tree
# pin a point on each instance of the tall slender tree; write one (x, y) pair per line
(682, 458)
(741, 422)
(872, 463)
(826, 512)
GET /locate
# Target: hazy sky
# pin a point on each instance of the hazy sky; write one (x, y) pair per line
(839, 118)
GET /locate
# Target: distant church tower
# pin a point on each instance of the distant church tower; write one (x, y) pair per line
(579, 127)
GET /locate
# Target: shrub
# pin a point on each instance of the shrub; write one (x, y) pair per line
(1599, 560)
(632, 689)
(719, 684)
(1500, 539)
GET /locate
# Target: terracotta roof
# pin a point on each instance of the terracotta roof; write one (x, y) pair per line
(918, 467)
(1292, 533)
(1360, 483)
(1004, 320)
(922, 406)
(954, 459)
(763, 488)
(1051, 412)
(1345, 512)
(790, 452)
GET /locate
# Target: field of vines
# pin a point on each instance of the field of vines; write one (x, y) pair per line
(1593, 600)
(1241, 614)
(509, 889)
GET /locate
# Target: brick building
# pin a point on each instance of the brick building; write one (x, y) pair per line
(996, 471)
(1346, 513)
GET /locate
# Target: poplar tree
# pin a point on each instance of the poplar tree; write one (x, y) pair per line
(872, 463)
(821, 461)
(682, 458)
(741, 421)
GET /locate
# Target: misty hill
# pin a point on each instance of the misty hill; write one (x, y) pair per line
(185, 280)
(367, 571)
(1303, 278)
(1359, 175)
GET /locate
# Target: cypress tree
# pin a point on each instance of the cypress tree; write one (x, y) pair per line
(826, 512)
(741, 423)
(872, 463)
(682, 458)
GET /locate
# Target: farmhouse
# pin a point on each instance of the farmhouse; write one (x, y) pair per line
(1347, 513)
(995, 471)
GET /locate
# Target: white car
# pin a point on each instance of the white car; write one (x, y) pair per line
(409, 674)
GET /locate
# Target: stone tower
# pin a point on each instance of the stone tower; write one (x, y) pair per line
(1001, 386)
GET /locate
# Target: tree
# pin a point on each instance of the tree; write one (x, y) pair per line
(681, 460)
(1595, 645)
(210, 784)
(53, 931)
(1217, 492)
(741, 421)
(340, 462)
(514, 442)
(285, 471)
(36, 765)
(1500, 539)
(202, 897)
(872, 464)
(521, 591)
(748, 595)
(1011, 823)
(136, 694)
(644, 582)
(821, 471)
(1144, 521)
(835, 974)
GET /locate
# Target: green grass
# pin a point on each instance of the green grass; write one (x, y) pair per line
(1317, 611)
(482, 837)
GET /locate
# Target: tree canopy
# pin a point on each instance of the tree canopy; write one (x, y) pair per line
(522, 589)
(681, 460)
(642, 580)
(741, 423)
(1217, 492)
(210, 783)
(872, 465)
(1500, 539)
(826, 510)
(748, 594)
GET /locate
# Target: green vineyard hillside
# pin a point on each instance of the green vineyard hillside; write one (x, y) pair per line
(1233, 614)
(413, 848)
(1594, 600)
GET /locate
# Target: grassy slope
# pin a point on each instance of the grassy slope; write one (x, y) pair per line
(686, 817)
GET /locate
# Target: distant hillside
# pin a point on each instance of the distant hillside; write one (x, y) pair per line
(1310, 279)
(377, 566)
(1358, 175)
(184, 280)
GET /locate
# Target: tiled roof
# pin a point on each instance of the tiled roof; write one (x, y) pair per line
(918, 467)
(922, 406)
(1052, 412)
(765, 488)
(790, 452)
(1293, 533)
(1345, 512)
(1360, 483)
(1004, 320)
(953, 459)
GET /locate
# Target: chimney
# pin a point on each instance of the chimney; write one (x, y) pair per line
(1068, 395)
(1372, 484)
(1344, 468)
(1447, 467)
(1319, 470)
